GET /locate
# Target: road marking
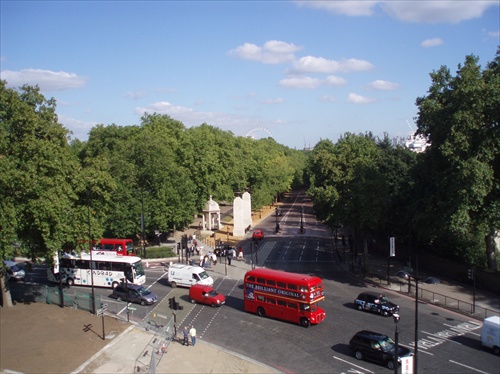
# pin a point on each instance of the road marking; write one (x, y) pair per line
(350, 363)
(468, 367)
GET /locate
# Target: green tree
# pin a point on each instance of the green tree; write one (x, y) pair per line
(459, 190)
(39, 194)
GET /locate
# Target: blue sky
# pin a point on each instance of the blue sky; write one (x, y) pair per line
(299, 70)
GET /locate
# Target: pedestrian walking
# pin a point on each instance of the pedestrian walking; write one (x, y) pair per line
(229, 256)
(214, 258)
(185, 333)
(192, 333)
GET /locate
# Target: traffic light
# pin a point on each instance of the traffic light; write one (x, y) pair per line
(470, 273)
(171, 303)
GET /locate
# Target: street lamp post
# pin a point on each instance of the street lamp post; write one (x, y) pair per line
(302, 219)
(90, 249)
(142, 225)
(396, 341)
(415, 354)
(277, 224)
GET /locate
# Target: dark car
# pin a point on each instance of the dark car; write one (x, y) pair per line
(375, 302)
(135, 294)
(258, 235)
(372, 346)
(403, 274)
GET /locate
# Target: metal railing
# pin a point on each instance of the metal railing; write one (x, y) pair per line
(464, 307)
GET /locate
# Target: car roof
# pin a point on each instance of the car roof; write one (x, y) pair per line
(371, 334)
(131, 285)
(371, 293)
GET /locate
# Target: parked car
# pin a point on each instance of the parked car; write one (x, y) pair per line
(258, 235)
(403, 274)
(135, 294)
(375, 302)
(372, 346)
(14, 271)
(206, 295)
(432, 280)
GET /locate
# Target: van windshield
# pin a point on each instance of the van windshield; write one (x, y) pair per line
(203, 275)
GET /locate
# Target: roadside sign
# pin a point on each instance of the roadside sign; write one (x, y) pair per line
(392, 246)
(407, 365)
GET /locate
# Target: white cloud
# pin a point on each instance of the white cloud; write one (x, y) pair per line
(135, 95)
(47, 80)
(328, 98)
(272, 52)
(347, 7)
(333, 80)
(431, 42)
(436, 11)
(190, 117)
(80, 129)
(278, 100)
(358, 99)
(300, 82)
(494, 34)
(311, 64)
(383, 85)
(431, 11)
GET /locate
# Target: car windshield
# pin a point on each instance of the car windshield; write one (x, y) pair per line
(387, 344)
(143, 291)
(383, 299)
(213, 293)
(203, 275)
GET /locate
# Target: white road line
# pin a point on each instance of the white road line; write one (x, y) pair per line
(350, 363)
(468, 367)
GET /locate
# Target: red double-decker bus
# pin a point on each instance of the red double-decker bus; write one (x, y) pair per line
(122, 247)
(287, 296)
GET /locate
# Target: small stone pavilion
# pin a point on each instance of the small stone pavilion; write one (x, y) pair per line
(211, 216)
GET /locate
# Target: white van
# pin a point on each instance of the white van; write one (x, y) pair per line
(14, 271)
(490, 334)
(187, 275)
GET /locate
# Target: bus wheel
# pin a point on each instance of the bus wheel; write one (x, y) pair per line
(173, 284)
(261, 312)
(304, 322)
(70, 282)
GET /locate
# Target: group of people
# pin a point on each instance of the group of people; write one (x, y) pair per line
(189, 333)
(208, 259)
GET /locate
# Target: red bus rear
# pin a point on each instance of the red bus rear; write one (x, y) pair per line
(287, 296)
(122, 247)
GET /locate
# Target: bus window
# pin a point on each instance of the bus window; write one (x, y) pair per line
(271, 283)
(261, 280)
(292, 287)
(292, 305)
(251, 279)
(270, 301)
(305, 306)
(260, 298)
(282, 284)
(282, 303)
(303, 289)
(82, 264)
